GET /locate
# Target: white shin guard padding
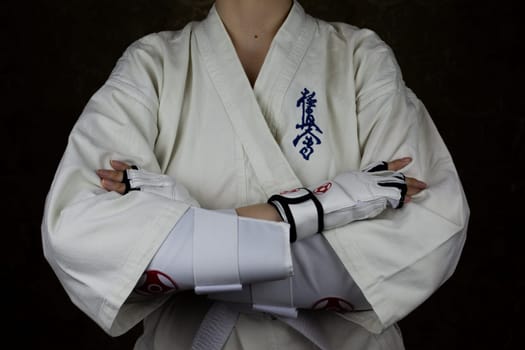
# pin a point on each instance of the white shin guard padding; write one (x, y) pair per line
(320, 282)
(213, 251)
(350, 196)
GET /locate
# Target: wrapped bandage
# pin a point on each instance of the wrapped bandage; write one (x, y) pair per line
(350, 196)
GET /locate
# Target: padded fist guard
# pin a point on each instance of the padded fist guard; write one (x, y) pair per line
(350, 196)
(137, 179)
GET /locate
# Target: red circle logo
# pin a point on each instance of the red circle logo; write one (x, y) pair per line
(290, 191)
(155, 282)
(323, 188)
(333, 304)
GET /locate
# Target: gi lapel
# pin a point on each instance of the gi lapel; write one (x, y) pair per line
(239, 100)
(282, 62)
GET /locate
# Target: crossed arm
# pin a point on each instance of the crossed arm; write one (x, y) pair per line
(306, 292)
(111, 180)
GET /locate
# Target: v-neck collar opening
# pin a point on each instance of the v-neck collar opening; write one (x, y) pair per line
(286, 36)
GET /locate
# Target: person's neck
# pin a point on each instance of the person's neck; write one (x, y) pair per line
(252, 24)
(253, 18)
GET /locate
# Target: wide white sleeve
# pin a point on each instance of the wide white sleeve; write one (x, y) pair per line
(97, 242)
(401, 257)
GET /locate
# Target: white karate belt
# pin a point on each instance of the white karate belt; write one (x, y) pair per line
(221, 318)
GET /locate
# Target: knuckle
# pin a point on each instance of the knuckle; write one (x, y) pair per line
(121, 188)
(116, 176)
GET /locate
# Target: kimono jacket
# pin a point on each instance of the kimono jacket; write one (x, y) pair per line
(329, 98)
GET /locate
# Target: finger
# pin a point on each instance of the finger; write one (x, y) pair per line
(414, 186)
(113, 186)
(398, 164)
(118, 165)
(413, 182)
(112, 175)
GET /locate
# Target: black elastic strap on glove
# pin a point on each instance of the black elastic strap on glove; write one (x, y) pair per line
(125, 180)
(377, 166)
(285, 203)
(402, 187)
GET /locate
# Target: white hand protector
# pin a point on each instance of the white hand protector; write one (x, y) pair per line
(213, 251)
(320, 282)
(350, 196)
(137, 179)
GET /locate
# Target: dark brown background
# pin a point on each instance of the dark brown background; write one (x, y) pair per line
(460, 57)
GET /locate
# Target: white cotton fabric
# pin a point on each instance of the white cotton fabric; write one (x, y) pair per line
(179, 103)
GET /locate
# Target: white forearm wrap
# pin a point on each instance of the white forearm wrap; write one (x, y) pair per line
(350, 196)
(275, 297)
(159, 184)
(320, 281)
(215, 251)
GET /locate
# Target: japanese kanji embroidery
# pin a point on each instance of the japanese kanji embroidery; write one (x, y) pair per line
(307, 102)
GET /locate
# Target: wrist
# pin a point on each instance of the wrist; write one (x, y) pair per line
(263, 211)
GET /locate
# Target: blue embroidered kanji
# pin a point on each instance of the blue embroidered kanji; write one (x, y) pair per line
(307, 103)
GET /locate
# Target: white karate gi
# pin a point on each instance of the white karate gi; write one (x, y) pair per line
(179, 103)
